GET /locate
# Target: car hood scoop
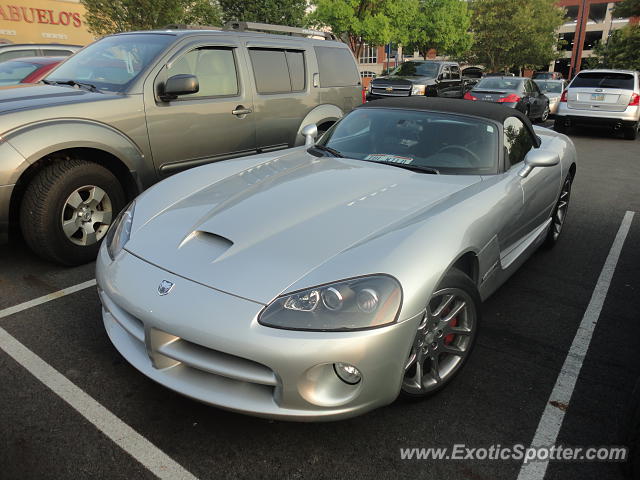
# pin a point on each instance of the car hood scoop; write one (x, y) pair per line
(256, 232)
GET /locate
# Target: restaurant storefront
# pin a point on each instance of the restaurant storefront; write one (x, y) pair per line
(43, 21)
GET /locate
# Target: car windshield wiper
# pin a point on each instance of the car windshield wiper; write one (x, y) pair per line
(407, 166)
(330, 150)
(73, 83)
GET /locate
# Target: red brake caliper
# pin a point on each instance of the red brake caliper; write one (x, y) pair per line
(449, 338)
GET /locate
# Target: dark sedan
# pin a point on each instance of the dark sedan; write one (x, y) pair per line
(515, 92)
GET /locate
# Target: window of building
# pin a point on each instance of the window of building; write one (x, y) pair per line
(366, 73)
(591, 39)
(278, 71)
(368, 54)
(215, 69)
(517, 141)
(566, 41)
(597, 12)
(571, 15)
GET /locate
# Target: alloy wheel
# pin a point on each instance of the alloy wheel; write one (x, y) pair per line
(561, 208)
(545, 114)
(442, 342)
(86, 215)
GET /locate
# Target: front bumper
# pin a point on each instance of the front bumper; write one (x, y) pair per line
(208, 345)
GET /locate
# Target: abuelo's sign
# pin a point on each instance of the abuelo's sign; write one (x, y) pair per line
(15, 13)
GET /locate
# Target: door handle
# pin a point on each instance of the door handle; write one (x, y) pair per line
(241, 110)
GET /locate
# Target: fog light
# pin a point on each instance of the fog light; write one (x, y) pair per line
(347, 373)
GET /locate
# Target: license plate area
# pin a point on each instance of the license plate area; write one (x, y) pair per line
(597, 97)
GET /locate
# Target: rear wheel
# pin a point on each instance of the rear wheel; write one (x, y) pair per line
(545, 114)
(445, 336)
(631, 132)
(67, 210)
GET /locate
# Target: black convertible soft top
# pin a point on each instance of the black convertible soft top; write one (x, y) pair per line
(492, 111)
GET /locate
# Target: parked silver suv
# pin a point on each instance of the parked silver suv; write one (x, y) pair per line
(601, 97)
(135, 107)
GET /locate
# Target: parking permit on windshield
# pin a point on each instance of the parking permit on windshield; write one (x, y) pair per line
(386, 157)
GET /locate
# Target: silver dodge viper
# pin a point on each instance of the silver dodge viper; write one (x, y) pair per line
(320, 282)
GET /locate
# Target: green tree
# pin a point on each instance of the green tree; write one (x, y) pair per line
(514, 33)
(279, 12)
(622, 50)
(374, 22)
(110, 16)
(627, 8)
(443, 25)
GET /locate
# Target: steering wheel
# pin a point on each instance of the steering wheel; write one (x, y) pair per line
(475, 159)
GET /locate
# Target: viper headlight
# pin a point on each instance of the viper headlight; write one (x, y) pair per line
(353, 304)
(120, 231)
(418, 89)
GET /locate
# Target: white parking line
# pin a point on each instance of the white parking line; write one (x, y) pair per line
(46, 298)
(554, 412)
(122, 434)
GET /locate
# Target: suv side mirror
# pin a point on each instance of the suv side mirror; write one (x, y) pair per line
(310, 132)
(181, 84)
(538, 158)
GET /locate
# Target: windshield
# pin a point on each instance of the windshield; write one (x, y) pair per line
(451, 144)
(549, 86)
(113, 62)
(498, 83)
(417, 69)
(11, 73)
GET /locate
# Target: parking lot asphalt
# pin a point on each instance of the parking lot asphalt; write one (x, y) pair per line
(527, 329)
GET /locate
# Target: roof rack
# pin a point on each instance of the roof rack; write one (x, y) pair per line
(266, 27)
(184, 26)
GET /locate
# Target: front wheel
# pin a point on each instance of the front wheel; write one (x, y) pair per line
(445, 336)
(559, 213)
(67, 209)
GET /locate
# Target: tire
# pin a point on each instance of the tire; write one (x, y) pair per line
(559, 214)
(630, 435)
(83, 196)
(545, 114)
(436, 337)
(559, 126)
(631, 132)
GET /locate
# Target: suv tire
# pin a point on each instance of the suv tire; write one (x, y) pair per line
(67, 209)
(631, 132)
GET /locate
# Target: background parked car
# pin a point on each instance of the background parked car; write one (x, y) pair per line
(419, 77)
(136, 107)
(602, 97)
(26, 70)
(553, 90)
(10, 51)
(515, 92)
(547, 75)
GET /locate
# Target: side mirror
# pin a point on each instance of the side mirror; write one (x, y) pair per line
(177, 85)
(538, 158)
(310, 132)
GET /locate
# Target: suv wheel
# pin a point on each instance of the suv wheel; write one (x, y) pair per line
(631, 132)
(67, 209)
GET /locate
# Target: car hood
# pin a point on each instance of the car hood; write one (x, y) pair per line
(390, 79)
(31, 96)
(256, 232)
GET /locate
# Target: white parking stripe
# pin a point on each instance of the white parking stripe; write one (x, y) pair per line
(46, 298)
(122, 434)
(553, 415)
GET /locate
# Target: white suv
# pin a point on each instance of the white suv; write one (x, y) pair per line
(601, 97)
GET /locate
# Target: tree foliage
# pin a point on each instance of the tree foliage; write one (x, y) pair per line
(443, 25)
(374, 22)
(110, 16)
(279, 12)
(627, 8)
(622, 50)
(514, 33)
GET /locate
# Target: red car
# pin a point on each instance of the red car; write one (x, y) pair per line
(27, 70)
